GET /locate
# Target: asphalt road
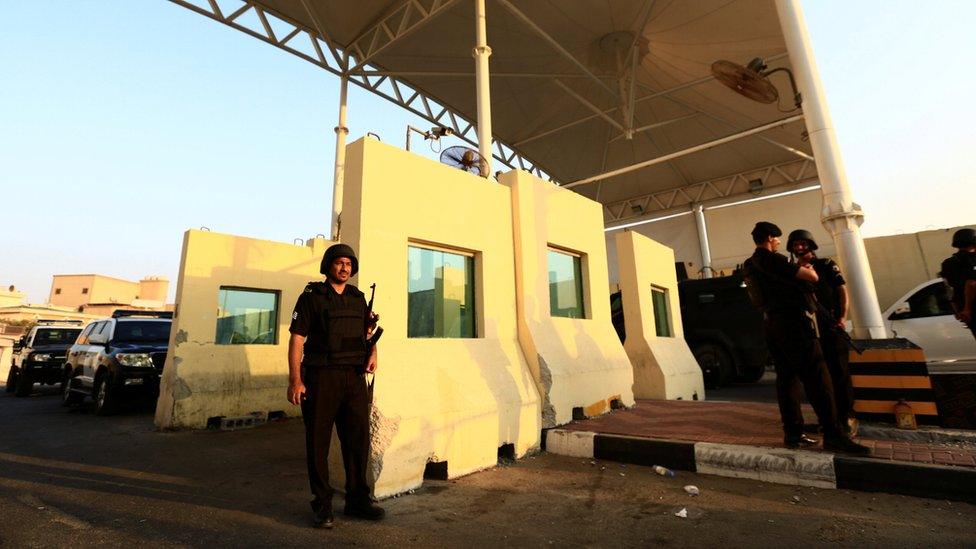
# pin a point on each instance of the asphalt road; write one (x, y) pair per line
(69, 477)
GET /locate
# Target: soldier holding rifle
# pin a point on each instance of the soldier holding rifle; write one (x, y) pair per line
(328, 355)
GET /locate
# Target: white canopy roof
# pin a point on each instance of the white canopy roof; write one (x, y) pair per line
(561, 90)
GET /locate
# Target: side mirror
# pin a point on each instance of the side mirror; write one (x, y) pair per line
(903, 310)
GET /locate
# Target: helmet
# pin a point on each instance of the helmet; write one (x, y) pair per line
(763, 230)
(963, 238)
(801, 234)
(336, 251)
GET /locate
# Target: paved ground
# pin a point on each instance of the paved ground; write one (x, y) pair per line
(70, 477)
(754, 424)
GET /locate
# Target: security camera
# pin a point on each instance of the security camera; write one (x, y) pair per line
(438, 132)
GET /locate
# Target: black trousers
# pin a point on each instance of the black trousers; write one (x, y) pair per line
(837, 358)
(799, 360)
(336, 397)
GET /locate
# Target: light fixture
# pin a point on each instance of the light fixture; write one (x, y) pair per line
(756, 186)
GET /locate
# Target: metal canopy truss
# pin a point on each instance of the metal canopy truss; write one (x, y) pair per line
(398, 23)
(777, 177)
(310, 45)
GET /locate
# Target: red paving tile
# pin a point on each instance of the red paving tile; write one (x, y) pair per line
(749, 423)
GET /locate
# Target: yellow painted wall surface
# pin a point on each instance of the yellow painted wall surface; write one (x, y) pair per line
(153, 288)
(438, 399)
(664, 367)
(6, 355)
(578, 363)
(201, 379)
(11, 298)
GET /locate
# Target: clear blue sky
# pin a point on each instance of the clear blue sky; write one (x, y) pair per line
(124, 123)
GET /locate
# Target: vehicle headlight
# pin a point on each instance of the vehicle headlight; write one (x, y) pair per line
(41, 357)
(138, 360)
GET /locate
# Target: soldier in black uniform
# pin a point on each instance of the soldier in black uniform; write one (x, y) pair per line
(326, 358)
(831, 292)
(959, 272)
(791, 333)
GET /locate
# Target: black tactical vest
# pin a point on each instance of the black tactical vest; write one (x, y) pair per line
(343, 329)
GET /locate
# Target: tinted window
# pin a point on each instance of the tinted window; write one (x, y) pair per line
(565, 285)
(440, 294)
(932, 300)
(54, 336)
(141, 331)
(662, 312)
(247, 317)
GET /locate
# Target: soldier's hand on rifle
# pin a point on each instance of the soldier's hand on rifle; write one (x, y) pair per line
(842, 323)
(372, 364)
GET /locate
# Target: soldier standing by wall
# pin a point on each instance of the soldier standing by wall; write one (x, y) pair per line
(326, 354)
(791, 333)
(959, 272)
(831, 292)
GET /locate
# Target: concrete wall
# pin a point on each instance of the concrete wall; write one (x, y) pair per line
(6, 356)
(578, 363)
(664, 367)
(203, 380)
(11, 298)
(438, 399)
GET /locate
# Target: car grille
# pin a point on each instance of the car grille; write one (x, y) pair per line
(158, 360)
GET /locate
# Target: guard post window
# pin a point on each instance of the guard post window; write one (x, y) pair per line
(565, 284)
(247, 316)
(440, 293)
(662, 312)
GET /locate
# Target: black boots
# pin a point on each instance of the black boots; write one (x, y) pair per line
(801, 441)
(365, 510)
(845, 445)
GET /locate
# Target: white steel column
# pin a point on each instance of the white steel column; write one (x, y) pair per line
(481, 53)
(841, 216)
(340, 159)
(703, 240)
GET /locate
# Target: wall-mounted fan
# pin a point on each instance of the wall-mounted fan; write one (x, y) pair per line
(752, 81)
(465, 159)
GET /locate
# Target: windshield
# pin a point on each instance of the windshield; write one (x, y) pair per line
(154, 331)
(55, 336)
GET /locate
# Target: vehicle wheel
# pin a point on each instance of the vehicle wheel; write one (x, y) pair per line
(11, 379)
(105, 399)
(24, 384)
(716, 364)
(68, 397)
(753, 373)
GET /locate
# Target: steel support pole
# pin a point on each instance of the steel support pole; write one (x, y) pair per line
(841, 216)
(481, 53)
(340, 159)
(706, 254)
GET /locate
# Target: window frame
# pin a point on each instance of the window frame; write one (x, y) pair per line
(669, 314)
(477, 302)
(275, 321)
(584, 296)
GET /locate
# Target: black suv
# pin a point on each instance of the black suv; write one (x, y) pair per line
(39, 355)
(722, 329)
(117, 359)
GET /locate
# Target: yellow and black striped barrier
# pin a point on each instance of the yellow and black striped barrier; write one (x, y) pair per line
(889, 371)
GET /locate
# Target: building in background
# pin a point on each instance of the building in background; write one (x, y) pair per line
(11, 297)
(101, 295)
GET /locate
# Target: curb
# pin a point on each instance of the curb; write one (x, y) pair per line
(776, 465)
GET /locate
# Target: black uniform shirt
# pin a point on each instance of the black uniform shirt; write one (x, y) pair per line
(956, 270)
(777, 277)
(830, 279)
(311, 320)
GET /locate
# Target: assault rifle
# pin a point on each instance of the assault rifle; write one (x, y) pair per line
(828, 315)
(374, 332)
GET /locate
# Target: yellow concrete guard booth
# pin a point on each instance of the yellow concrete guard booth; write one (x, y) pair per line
(664, 367)
(227, 354)
(564, 310)
(452, 385)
